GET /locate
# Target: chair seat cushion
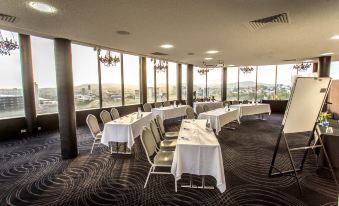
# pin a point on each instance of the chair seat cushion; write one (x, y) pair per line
(168, 143)
(171, 135)
(164, 158)
(98, 136)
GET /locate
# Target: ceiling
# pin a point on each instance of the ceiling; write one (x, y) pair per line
(190, 25)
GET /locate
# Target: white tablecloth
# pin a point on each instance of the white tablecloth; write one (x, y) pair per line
(220, 117)
(198, 153)
(251, 109)
(170, 112)
(211, 105)
(125, 129)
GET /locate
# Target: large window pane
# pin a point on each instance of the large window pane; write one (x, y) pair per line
(172, 81)
(232, 83)
(199, 84)
(161, 86)
(11, 98)
(284, 81)
(111, 83)
(184, 82)
(214, 83)
(334, 71)
(44, 75)
(131, 79)
(85, 77)
(150, 80)
(266, 82)
(247, 84)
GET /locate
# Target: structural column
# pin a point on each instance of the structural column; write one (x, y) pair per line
(224, 83)
(28, 82)
(64, 78)
(315, 67)
(324, 66)
(143, 80)
(179, 82)
(190, 84)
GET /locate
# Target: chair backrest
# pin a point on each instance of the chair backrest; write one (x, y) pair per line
(157, 104)
(167, 104)
(245, 102)
(155, 131)
(115, 113)
(235, 102)
(185, 102)
(147, 107)
(206, 108)
(226, 103)
(148, 142)
(105, 116)
(190, 113)
(93, 125)
(199, 109)
(160, 124)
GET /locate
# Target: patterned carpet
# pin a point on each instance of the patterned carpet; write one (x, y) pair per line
(33, 173)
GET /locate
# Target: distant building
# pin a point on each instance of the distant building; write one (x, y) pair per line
(11, 102)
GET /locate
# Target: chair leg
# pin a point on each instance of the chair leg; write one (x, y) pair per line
(176, 185)
(111, 146)
(92, 146)
(149, 173)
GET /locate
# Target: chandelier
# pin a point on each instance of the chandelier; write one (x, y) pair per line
(246, 69)
(302, 67)
(203, 71)
(161, 66)
(6, 46)
(108, 60)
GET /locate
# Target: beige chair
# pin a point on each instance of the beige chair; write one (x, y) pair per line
(161, 159)
(162, 145)
(235, 102)
(167, 104)
(164, 134)
(206, 108)
(199, 109)
(245, 101)
(115, 113)
(93, 126)
(157, 104)
(190, 113)
(226, 103)
(105, 116)
(147, 107)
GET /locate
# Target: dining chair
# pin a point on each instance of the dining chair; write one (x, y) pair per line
(226, 103)
(235, 102)
(167, 104)
(245, 102)
(93, 126)
(105, 116)
(162, 145)
(157, 104)
(161, 127)
(161, 159)
(190, 113)
(206, 108)
(115, 113)
(147, 107)
(199, 109)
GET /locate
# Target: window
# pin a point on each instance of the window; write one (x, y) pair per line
(266, 82)
(284, 81)
(150, 80)
(11, 95)
(232, 83)
(184, 82)
(85, 77)
(172, 81)
(111, 83)
(161, 86)
(247, 85)
(199, 84)
(44, 75)
(334, 70)
(214, 83)
(131, 79)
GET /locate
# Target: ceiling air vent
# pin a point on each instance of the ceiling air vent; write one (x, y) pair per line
(159, 54)
(276, 19)
(7, 18)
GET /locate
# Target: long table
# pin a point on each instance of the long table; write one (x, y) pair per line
(125, 129)
(198, 152)
(220, 117)
(170, 111)
(252, 109)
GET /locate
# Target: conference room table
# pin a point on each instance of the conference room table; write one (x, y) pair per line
(198, 152)
(125, 129)
(170, 111)
(220, 117)
(211, 105)
(252, 109)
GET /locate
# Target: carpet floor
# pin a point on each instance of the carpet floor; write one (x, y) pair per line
(32, 172)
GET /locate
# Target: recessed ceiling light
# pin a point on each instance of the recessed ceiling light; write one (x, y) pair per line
(122, 32)
(231, 65)
(212, 52)
(166, 46)
(335, 37)
(326, 54)
(42, 7)
(208, 58)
